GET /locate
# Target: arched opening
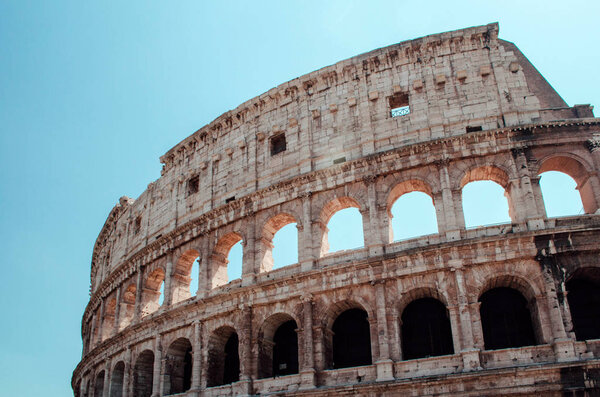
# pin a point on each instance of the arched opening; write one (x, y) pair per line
(143, 372)
(583, 295)
(426, 330)
(485, 199)
(278, 347)
(505, 319)
(153, 293)
(227, 259)
(178, 371)
(411, 210)
(108, 324)
(279, 242)
(181, 281)
(484, 203)
(99, 384)
(560, 194)
(127, 306)
(342, 226)
(116, 380)
(413, 215)
(223, 357)
(351, 343)
(576, 170)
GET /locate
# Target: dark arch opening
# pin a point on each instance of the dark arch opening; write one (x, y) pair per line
(99, 385)
(285, 349)
(143, 374)
(583, 295)
(426, 330)
(231, 368)
(505, 319)
(223, 358)
(116, 380)
(351, 339)
(178, 372)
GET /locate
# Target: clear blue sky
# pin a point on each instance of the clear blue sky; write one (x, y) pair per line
(92, 93)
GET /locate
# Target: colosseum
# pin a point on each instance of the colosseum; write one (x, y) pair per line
(502, 309)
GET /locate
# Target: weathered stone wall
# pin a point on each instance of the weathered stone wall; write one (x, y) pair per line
(343, 149)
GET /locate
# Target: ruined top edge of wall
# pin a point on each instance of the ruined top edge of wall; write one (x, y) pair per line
(227, 119)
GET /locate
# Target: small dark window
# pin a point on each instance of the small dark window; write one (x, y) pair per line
(474, 128)
(229, 200)
(340, 160)
(278, 144)
(137, 226)
(399, 105)
(193, 185)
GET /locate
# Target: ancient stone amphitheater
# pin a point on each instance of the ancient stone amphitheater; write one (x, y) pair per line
(510, 309)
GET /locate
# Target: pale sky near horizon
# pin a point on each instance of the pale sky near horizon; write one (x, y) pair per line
(93, 93)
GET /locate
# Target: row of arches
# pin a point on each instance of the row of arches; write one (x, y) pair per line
(224, 263)
(508, 319)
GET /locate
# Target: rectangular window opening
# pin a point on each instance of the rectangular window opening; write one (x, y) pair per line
(229, 200)
(193, 185)
(474, 128)
(278, 144)
(399, 105)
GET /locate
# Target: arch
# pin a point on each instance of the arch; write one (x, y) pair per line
(99, 384)
(182, 275)
(486, 173)
(116, 380)
(351, 339)
(152, 291)
(278, 346)
(426, 329)
(577, 169)
(329, 210)
(127, 306)
(143, 374)
(583, 295)
(178, 371)
(408, 186)
(272, 226)
(219, 258)
(506, 319)
(398, 192)
(223, 357)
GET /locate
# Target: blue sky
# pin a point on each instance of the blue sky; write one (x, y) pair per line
(92, 93)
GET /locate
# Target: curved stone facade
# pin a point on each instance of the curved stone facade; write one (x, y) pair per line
(428, 115)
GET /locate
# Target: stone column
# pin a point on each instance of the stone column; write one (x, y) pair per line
(197, 358)
(469, 352)
(306, 248)
(451, 204)
(564, 348)
(168, 298)
(107, 375)
(204, 282)
(249, 258)
(527, 199)
(139, 286)
(244, 386)
(307, 371)
(385, 366)
(117, 310)
(374, 231)
(101, 321)
(127, 373)
(156, 378)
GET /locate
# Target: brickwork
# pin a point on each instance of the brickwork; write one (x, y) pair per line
(326, 141)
